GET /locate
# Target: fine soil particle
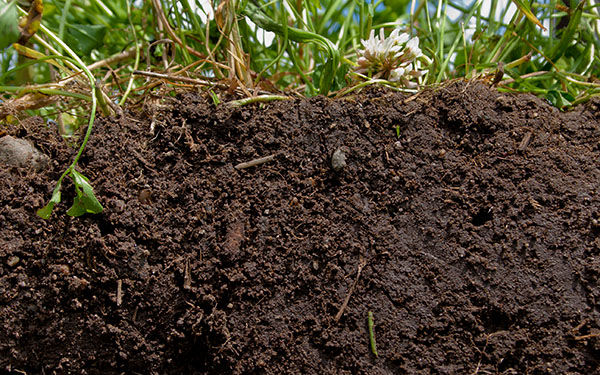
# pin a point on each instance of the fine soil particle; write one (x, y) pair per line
(472, 236)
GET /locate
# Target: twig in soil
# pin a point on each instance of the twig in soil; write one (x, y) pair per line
(525, 141)
(371, 324)
(593, 332)
(589, 336)
(170, 77)
(482, 352)
(187, 278)
(255, 162)
(119, 292)
(361, 265)
(579, 326)
(524, 76)
(498, 75)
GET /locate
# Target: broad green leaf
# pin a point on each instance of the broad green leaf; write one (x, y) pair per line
(560, 99)
(84, 38)
(9, 24)
(77, 209)
(46, 211)
(85, 201)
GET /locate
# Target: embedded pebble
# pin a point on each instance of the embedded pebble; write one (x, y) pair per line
(338, 160)
(20, 153)
(13, 261)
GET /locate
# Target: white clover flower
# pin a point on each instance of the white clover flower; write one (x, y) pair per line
(396, 74)
(399, 39)
(412, 47)
(395, 58)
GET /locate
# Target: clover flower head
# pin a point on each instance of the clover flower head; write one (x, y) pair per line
(395, 58)
(397, 74)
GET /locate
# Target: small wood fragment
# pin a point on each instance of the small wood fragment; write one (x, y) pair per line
(173, 77)
(187, 278)
(498, 75)
(525, 141)
(361, 265)
(119, 292)
(588, 336)
(255, 162)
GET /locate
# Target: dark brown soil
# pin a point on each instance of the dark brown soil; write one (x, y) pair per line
(473, 237)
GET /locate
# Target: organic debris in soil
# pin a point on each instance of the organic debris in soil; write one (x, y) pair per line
(472, 237)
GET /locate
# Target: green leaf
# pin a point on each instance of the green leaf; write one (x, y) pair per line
(340, 77)
(84, 38)
(326, 75)
(514, 74)
(85, 201)
(560, 99)
(46, 211)
(214, 97)
(9, 22)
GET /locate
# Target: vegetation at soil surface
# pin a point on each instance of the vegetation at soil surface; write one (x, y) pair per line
(64, 59)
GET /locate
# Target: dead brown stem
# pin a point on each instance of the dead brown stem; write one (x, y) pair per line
(361, 265)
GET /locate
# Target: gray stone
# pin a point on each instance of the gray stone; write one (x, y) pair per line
(20, 153)
(338, 160)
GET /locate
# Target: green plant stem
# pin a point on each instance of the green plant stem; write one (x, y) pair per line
(21, 90)
(257, 99)
(455, 44)
(371, 324)
(104, 8)
(283, 46)
(63, 19)
(302, 36)
(78, 63)
(137, 56)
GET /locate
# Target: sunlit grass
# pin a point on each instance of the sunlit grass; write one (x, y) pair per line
(311, 46)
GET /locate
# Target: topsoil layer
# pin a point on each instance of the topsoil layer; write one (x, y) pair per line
(472, 236)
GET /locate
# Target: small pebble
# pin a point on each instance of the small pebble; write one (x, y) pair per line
(13, 261)
(338, 160)
(18, 152)
(64, 269)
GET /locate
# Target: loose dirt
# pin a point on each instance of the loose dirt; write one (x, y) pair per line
(466, 220)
